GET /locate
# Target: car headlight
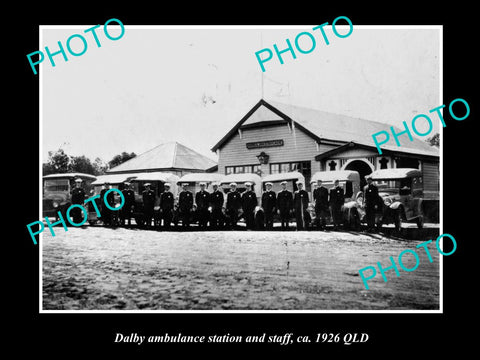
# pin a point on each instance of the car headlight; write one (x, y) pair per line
(55, 204)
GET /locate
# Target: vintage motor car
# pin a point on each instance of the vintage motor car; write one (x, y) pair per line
(193, 180)
(240, 180)
(401, 191)
(291, 178)
(57, 189)
(349, 180)
(157, 179)
(115, 181)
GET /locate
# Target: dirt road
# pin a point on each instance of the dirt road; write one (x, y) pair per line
(96, 268)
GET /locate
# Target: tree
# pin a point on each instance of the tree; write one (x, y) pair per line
(119, 159)
(82, 164)
(434, 140)
(100, 166)
(58, 162)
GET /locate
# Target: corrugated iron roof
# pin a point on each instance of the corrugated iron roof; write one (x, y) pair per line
(323, 125)
(345, 128)
(171, 155)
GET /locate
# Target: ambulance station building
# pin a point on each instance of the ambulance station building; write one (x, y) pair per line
(274, 138)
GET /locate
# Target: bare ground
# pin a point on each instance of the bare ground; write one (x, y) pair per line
(96, 268)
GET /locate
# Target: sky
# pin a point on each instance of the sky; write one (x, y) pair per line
(192, 85)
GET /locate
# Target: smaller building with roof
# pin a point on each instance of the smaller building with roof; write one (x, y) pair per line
(171, 157)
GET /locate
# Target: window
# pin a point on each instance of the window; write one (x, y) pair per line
(55, 185)
(241, 169)
(274, 168)
(284, 167)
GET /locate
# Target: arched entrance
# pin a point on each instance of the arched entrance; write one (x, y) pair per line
(363, 169)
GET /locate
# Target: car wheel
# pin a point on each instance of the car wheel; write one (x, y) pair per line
(92, 222)
(420, 222)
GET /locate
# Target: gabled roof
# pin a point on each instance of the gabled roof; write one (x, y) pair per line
(321, 126)
(171, 155)
(351, 145)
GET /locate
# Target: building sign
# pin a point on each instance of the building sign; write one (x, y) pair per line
(264, 144)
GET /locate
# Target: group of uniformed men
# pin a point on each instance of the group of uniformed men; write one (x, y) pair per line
(209, 205)
(109, 218)
(204, 201)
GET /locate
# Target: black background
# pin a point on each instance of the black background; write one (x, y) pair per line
(93, 334)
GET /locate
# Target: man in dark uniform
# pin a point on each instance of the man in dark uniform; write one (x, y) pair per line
(78, 197)
(370, 192)
(185, 205)
(269, 204)
(127, 209)
(148, 197)
(284, 205)
(320, 197)
(105, 211)
(337, 199)
(234, 204)
(216, 205)
(249, 203)
(166, 206)
(300, 201)
(202, 201)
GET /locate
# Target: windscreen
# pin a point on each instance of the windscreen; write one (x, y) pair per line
(56, 185)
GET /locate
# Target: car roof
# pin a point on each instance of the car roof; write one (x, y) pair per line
(399, 173)
(156, 176)
(112, 178)
(198, 177)
(291, 175)
(341, 175)
(240, 178)
(70, 176)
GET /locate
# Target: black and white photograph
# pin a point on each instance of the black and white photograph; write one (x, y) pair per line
(225, 182)
(209, 179)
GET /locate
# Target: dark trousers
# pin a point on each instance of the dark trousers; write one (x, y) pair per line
(284, 218)
(148, 215)
(232, 217)
(300, 218)
(337, 215)
(126, 214)
(370, 216)
(106, 215)
(77, 214)
(269, 219)
(249, 219)
(185, 217)
(216, 220)
(167, 217)
(202, 217)
(321, 212)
